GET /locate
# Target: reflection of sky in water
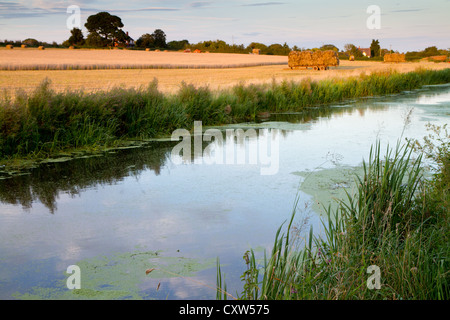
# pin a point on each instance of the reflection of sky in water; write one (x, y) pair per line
(204, 210)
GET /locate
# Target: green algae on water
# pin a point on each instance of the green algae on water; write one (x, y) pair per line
(328, 185)
(118, 277)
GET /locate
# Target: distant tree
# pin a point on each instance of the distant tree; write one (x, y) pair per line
(257, 45)
(352, 50)
(145, 41)
(178, 45)
(76, 37)
(383, 52)
(278, 49)
(31, 42)
(104, 26)
(375, 48)
(329, 47)
(159, 38)
(431, 51)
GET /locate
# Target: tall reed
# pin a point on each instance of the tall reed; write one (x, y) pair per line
(386, 224)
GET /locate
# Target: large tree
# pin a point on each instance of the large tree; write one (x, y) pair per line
(106, 26)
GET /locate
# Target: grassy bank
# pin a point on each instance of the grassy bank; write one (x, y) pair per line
(45, 122)
(396, 224)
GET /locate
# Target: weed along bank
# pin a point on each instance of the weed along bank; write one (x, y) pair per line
(254, 147)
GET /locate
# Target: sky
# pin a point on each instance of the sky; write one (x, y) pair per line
(409, 25)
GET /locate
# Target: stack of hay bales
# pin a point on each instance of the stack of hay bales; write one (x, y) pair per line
(318, 59)
(438, 58)
(329, 57)
(9, 46)
(394, 57)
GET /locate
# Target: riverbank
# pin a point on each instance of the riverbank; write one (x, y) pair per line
(43, 123)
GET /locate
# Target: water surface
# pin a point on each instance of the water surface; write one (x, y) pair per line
(120, 214)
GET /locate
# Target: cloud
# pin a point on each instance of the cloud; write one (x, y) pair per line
(262, 4)
(145, 9)
(407, 10)
(199, 4)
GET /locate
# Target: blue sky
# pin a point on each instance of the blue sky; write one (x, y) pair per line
(405, 25)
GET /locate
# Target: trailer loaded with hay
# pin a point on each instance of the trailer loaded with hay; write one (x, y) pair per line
(394, 57)
(318, 60)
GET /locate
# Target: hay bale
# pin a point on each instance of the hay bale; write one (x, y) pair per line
(256, 51)
(147, 49)
(9, 46)
(41, 48)
(71, 47)
(318, 59)
(438, 58)
(157, 50)
(197, 51)
(395, 57)
(352, 58)
(23, 46)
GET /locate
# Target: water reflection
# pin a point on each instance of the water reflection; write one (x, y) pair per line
(46, 183)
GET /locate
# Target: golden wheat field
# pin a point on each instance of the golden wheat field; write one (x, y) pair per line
(31, 58)
(219, 70)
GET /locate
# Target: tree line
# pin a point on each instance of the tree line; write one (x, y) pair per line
(106, 30)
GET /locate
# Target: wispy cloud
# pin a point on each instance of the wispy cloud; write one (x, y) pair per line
(262, 4)
(145, 9)
(407, 10)
(200, 4)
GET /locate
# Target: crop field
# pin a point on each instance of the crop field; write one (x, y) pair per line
(63, 59)
(93, 70)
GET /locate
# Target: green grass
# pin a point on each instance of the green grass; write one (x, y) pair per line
(397, 221)
(45, 121)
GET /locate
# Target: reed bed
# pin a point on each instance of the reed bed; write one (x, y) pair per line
(45, 121)
(397, 221)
